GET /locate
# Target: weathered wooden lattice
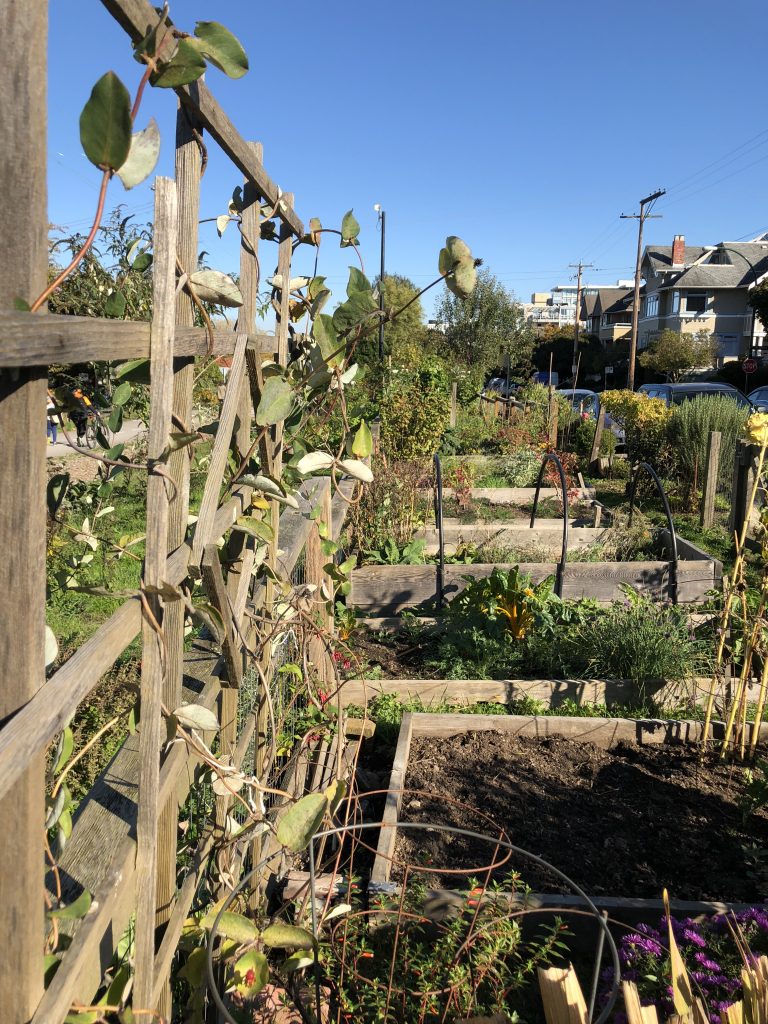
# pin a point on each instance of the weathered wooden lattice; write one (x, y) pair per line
(123, 847)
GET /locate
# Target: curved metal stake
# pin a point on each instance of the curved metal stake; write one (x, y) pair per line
(560, 571)
(668, 512)
(440, 532)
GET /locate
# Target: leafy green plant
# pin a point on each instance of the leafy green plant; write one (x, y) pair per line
(403, 965)
(688, 430)
(414, 411)
(755, 792)
(391, 553)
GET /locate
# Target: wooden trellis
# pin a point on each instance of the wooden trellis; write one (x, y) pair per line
(125, 870)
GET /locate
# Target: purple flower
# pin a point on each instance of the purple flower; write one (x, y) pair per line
(706, 962)
(689, 935)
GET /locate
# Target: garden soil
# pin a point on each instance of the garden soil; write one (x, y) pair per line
(627, 822)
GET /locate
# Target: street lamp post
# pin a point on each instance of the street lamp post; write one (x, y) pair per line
(726, 248)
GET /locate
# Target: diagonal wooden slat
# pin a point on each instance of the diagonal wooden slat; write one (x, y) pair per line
(137, 17)
(218, 462)
(213, 581)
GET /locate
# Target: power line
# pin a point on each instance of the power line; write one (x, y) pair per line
(761, 135)
(641, 218)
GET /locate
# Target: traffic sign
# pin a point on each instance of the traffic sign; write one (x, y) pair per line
(749, 365)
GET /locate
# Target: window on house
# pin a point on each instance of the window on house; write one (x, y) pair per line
(696, 302)
(675, 302)
(652, 305)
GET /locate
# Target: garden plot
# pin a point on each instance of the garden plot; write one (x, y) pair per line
(624, 807)
(384, 590)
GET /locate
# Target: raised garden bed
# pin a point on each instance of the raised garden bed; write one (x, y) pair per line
(624, 807)
(382, 590)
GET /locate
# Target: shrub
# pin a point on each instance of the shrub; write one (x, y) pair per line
(414, 411)
(472, 435)
(688, 432)
(645, 425)
(388, 508)
(583, 436)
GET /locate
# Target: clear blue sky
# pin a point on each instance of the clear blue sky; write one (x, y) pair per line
(524, 127)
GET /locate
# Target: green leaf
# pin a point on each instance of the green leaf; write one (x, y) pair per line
(362, 446)
(114, 994)
(350, 229)
(114, 307)
(142, 262)
(115, 420)
(232, 926)
(50, 966)
(179, 440)
(324, 333)
(186, 66)
(357, 282)
(23, 307)
(463, 279)
(221, 48)
(288, 936)
(335, 793)
(79, 908)
(58, 486)
(142, 156)
(67, 746)
(356, 310)
(256, 962)
(105, 123)
(300, 822)
(276, 402)
(120, 396)
(136, 371)
(217, 287)
(254, 527)
(195, 716)
(83, 1017)
(297, 962)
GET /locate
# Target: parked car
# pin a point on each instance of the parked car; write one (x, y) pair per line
(676, 394)
(498, 386)
(587, 403)
(547, 378)
(759, 398)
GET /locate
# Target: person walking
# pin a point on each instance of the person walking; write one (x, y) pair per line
(53, 430)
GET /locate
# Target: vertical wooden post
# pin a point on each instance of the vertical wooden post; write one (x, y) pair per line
(742, 470)
(454, 393)
(23, 274)
(153, 662)
(552, 424)
(598, 438)
(188, 214)
(710, 480)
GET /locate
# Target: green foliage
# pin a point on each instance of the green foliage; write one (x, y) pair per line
(645, 423)
(390, 553)
(389, 509)
(396, 940)
(672, 354)
(583, 437)
(688, 430)
(758, 300)
(486, 327)
(414, 411)
(406, 339)
(105, 123)
(755, 793)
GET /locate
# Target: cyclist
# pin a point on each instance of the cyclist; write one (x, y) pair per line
(81, 413)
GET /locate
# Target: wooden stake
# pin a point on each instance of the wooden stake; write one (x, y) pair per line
(153, 663)
(710, 480)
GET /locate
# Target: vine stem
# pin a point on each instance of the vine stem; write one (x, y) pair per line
(83, 250)
(81, 754)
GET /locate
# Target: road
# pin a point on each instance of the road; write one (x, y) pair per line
(130, 430)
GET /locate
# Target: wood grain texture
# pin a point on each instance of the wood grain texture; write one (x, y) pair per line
(153, 660)
(187, 163)
(216, 589)
(37, 339)
(100, 855)
(23, 273)
(220, 451)
(137, 17)
(388, 835)
(711, 474)
(385, 589)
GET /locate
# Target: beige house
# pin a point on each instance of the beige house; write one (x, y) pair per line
(608, 313)
(691, 288)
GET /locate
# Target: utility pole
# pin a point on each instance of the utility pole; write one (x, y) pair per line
(641, 217)
(576, 319)
(383, 221)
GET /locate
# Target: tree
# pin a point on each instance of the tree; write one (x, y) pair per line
(673, 354)
(758, 300)
(485, 329)
(407, 339)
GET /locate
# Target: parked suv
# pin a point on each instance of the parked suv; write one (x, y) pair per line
(676, 394)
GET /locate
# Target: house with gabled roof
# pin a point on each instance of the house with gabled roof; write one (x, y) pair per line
(608, 313)
(692, 288)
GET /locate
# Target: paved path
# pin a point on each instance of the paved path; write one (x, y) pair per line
(130, 430)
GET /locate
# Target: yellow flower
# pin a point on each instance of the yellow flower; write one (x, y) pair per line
(757, 428)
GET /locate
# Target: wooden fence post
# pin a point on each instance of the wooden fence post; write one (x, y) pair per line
(453, 412)
(710, 480)
(23, 274)
(553, 411)
(153, 665)
(742, 471)
(188, 214)
(598, 438)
